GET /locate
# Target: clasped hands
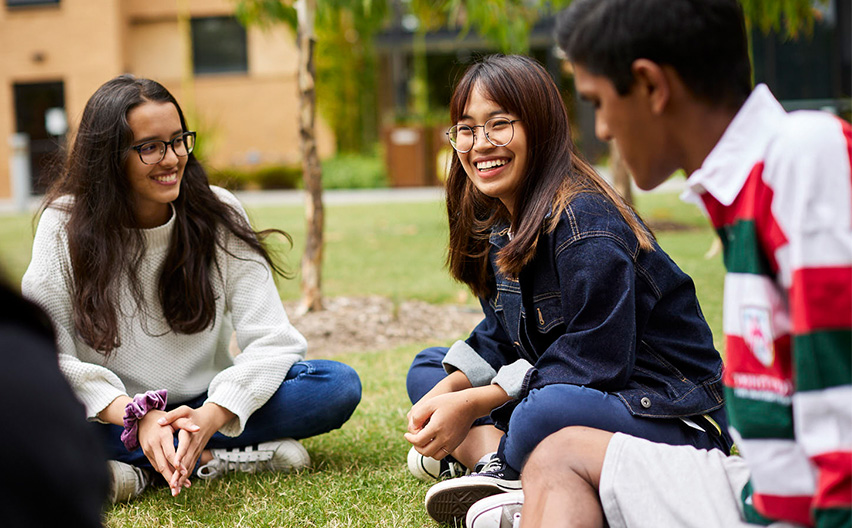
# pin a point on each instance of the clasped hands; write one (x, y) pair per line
(440, 421)
(194, 428)
(438, 424)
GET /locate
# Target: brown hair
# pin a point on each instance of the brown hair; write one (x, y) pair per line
(102, 241)
(555, 174)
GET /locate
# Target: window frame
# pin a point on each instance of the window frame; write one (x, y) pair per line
(26, 4)
(224, 62)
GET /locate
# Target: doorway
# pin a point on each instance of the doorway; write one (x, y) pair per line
(40, 113)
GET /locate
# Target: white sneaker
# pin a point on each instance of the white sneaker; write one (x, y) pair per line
(429, 469)
(126, 482)
(496, 511)
(283, 455)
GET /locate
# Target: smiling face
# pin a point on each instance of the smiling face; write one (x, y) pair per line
(496, 171)
(154, 186)
(628, 121)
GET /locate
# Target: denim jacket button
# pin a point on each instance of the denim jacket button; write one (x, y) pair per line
(646, 402)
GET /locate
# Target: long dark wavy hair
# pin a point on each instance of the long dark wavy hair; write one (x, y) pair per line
(102, 241)
(555, 174)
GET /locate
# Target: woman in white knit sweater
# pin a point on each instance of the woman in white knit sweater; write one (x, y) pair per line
(146, 271)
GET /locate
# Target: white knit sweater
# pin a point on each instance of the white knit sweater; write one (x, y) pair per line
(151, 355)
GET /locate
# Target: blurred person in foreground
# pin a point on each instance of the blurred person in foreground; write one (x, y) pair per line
(670, 83)
(54, 472)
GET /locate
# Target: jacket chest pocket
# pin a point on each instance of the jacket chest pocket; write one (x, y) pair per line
(547, 311)
(543, 321)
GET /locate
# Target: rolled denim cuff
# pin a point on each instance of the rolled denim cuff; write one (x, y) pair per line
(464, 358)
(511, 377)
(136, 410)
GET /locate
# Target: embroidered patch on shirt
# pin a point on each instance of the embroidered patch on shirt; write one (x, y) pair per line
(757, 333)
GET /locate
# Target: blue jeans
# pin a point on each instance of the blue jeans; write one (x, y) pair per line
(315, 397)
(544, 411)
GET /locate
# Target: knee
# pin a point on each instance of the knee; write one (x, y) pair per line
(556, 447)
(545, 411)
(349, 388)
(573, 449)
(558, 406)
(342, 392)
(426, 369)
(431, 358)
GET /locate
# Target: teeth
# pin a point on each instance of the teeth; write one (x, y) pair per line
(169, 178)
(483, 165)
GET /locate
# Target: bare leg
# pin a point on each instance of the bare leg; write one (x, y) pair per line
(481, 440)
(561, 480)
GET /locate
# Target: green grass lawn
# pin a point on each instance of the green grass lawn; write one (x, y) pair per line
(358, 477)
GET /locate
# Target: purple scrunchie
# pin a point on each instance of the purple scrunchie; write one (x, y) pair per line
(135, 410)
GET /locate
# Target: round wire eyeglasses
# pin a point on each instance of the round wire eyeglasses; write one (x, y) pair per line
(499, 131)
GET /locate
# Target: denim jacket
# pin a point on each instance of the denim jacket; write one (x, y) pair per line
(593, 309)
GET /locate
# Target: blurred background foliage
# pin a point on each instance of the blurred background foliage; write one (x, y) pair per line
(347, 61)
(345, 170)
(347, 71)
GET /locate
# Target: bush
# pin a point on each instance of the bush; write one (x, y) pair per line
(231, 179)
(271, 177)
(354, 171)
(278, 177)
(344, 171)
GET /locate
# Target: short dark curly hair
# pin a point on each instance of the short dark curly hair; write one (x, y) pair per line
(703, 40)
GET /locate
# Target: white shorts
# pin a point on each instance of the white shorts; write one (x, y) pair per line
(645, 484)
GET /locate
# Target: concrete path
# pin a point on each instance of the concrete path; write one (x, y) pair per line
(340, 196)
(344, 196)
(295, 197)
(398, 195)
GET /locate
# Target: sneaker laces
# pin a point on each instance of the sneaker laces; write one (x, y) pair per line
(495, 463)
(454, 468)
(243, 460)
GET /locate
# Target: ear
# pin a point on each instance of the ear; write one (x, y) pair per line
(651, 79)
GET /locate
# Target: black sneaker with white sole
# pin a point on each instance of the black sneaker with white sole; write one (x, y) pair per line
(447, 502)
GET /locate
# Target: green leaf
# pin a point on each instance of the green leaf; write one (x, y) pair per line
(264, 13)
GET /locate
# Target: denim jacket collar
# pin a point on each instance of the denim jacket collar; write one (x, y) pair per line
(500, 234)
(500, 231)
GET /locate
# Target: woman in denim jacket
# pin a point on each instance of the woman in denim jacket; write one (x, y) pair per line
(587, 321)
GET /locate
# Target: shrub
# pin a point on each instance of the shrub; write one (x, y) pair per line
(354, 171)
(271, 177)
(344, 171)
(231, 179)
(278, 177)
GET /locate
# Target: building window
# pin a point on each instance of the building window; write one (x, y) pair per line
(219, 45)
(27, 3)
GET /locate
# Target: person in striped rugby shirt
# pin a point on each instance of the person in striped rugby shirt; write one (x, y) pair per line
(670, 81)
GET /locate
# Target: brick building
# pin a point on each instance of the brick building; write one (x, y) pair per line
(241, 83)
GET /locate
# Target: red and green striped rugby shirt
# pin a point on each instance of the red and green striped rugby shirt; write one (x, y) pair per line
(778, 189)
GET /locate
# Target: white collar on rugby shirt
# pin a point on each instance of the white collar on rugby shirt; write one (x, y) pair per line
(742, 145)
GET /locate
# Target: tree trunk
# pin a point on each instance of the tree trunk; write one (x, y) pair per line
(620, 175)
(311, 170)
